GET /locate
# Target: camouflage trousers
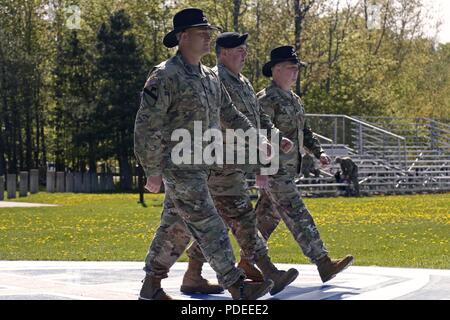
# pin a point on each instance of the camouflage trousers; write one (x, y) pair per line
(228, 188)
(189, 210)
(354, 179)
(282, 200)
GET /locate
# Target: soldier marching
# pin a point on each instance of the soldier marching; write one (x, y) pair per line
(203, 200)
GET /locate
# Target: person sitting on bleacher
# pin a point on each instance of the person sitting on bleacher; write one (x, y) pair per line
(309, 166)
(339, 179)
(349, 172)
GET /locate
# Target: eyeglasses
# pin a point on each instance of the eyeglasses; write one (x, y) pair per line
(240, 49)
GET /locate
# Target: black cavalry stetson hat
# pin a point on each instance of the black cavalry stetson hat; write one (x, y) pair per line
(281, 54)
(184, 19)
(231, 39)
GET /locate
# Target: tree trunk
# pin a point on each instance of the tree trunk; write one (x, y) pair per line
(13, 162)
(332, 30)
(18, 142)
(58, 94)
(2, 159)
(301, 8)
(8, 145)
(29, 70)
(258, 53)
(38, 124)
(236, 13)
(28, 138)
(297, 35)
(3, 111)
(124, 163)
(44, 146)
(92, 158)
(2, 151)
(125, 173)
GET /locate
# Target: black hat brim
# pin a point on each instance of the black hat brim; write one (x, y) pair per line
(267, 68)
(170, 39)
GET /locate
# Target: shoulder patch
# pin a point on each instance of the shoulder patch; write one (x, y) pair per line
(151, 87)
(152, 92)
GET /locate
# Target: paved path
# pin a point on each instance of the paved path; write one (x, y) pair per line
(13, 204)
(44, 280)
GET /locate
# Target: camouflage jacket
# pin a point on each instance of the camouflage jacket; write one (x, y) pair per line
(307, 163)
(349, 168)
(287, 113)
(244, 98)
(175, 95)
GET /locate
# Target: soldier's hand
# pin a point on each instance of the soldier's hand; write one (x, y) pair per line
(286, 145)
(262, 182)
(267, 149)
(325, 159)
(153, 184)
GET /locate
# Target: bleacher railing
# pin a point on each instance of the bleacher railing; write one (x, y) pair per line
(419, 132)
(363, 137)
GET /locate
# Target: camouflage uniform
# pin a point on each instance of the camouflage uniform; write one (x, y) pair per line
(308, 166)
(176, 95)
(282, 200)
(228, 186)
(350, 171)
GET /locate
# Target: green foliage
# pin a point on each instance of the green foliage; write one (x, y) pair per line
(70, 96)
(402, 231)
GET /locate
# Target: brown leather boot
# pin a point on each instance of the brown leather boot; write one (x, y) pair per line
(251, 272)
(193, 282)
(241, 290)
(151, 290)
(328, 268)
(280, 278)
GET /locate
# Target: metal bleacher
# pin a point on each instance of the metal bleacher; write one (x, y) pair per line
(394, 155)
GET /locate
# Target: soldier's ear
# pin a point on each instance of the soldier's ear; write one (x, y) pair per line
(182, 36)
(275, 68)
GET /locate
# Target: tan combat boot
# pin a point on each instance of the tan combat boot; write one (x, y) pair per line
(241, 290)
(193, 282)
(280, 278)
(151, 290)
(251, 272)
(328, 268)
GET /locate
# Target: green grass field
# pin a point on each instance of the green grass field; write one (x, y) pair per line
(406, 231)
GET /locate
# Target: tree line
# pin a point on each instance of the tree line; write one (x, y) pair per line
(69, 95)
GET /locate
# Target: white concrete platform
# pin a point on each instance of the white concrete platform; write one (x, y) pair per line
(56, 280)
(14, 204)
